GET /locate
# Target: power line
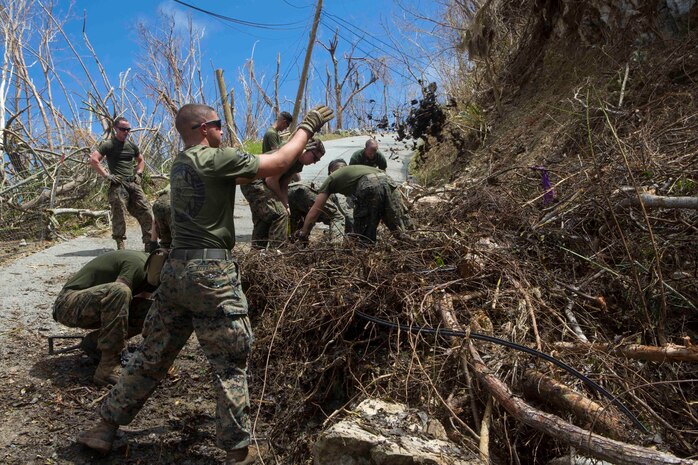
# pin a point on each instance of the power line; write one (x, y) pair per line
(346, 24)
(409, 78)
(295, 6)
(241, 22)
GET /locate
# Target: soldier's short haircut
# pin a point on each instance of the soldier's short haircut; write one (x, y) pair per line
(335, 164)
(287, 116)
(372, 142)
(118, 120)
(191, 114)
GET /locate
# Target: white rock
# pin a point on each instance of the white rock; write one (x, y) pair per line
(385, 433)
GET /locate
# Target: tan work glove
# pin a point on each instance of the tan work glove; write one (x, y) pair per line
(316, 119)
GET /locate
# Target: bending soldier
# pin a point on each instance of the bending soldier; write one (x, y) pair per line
(268, 199)
(99, 295)
(200, 286)
(125, 192)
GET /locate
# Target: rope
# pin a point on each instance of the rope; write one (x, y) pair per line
(512, 345)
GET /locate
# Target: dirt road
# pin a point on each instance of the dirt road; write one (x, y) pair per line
(47, 399)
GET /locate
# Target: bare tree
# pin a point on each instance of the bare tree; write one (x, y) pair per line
(350, 81)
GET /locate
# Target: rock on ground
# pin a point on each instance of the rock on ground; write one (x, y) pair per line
(384, 433)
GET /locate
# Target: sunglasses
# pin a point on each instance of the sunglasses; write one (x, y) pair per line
(216, 122)
(123, 129)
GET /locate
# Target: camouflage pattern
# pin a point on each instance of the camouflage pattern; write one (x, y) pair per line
(127, 196)
(301, 197)
(269, 215)
(105, 306)
(204, 296)
(162, 214)
(346, 207)
(377, 198)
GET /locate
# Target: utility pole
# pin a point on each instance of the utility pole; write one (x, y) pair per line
(306, 65)
(227, 111)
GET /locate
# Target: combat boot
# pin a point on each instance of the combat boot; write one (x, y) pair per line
(89, 345)
(120, 244)
(109, 369)
(99, 438)
(244, 456)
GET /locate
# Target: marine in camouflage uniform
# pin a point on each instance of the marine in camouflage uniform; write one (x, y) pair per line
(200, 287)
(269, 215)
(125, 193)
(99, 295)
(376, 198)
(301, 198)
(369, 156)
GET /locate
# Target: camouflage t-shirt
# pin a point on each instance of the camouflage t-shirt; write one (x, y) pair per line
(345, 179)
(358, 158)
(119, 155)
(271, 140)
(125, 264)
(202, 191)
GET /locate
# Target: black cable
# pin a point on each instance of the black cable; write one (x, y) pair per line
(512, 345)
(243, 22)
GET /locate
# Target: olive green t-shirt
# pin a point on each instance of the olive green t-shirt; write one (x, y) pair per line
(358, 158)
(128, 265)
(271, 140)
(345, 179)
(202, 192)
(120, 156)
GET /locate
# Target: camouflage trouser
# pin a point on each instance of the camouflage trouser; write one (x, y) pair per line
(128, 196)
(269, 215)
(204, 296)
(342, 204)
(105, 306)
(377, 198)
(162, 215)
(301, 197)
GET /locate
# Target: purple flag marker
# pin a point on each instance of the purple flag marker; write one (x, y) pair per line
(548, 191)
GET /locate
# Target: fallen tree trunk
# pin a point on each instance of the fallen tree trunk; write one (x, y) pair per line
(667, 353)
(583, 440)
(595, 416)
(660, 201)
(78, 211)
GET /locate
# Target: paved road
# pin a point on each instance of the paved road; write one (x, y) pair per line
(29, 285)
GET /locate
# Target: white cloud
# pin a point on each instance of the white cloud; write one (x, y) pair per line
(182, 17)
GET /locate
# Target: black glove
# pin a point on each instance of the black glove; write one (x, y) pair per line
(300, 236)
(316, 119)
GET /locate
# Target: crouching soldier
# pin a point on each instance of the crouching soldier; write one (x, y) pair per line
(99, 296)
(376, 198)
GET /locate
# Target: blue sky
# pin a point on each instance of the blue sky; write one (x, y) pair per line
(110, 27)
